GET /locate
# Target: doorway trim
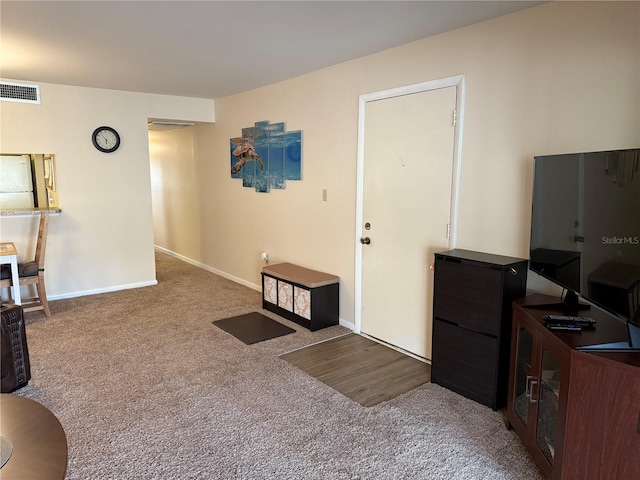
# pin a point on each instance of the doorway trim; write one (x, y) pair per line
(457, 81)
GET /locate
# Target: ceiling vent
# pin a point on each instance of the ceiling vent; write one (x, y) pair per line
(167, 124)
(19, 92)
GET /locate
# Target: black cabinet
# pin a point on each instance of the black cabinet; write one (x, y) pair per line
(472, 298)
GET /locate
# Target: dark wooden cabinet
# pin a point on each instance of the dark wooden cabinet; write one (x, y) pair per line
(472, 298)
(577, 413)
(541, 370)
(603, 419)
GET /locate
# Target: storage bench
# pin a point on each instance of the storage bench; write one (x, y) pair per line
(304, 296)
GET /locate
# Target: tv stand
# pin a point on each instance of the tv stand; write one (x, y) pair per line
(576, 412)
(570, 304)
(612, 347)
(633, 345)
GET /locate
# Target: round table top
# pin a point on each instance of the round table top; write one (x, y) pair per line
(38, 440)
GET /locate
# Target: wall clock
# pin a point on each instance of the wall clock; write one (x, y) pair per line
(106, 139)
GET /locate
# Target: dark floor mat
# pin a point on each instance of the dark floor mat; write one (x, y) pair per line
(253, 327)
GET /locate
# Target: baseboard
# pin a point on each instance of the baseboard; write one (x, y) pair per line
(233, 278)
(116, 288)
(346, 324)
(102, 290)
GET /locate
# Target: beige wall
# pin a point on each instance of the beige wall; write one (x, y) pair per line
(560, 77)
(556, 78)
(175, 192)
(103, 240)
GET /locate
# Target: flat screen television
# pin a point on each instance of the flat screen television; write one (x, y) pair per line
(585, 229)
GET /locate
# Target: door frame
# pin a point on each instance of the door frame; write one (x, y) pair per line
(457, 81)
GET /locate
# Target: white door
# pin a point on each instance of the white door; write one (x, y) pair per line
(407, 181)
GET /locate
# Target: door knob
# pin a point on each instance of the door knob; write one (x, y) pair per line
(365, 241)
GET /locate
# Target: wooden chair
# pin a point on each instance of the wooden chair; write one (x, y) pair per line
(32, 273)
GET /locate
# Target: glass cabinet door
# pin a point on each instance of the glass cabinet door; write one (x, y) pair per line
(547, 395)
(524, 378)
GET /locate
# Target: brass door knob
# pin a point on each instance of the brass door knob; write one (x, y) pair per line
(365, 241)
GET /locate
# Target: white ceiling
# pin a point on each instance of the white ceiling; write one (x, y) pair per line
(210, 49)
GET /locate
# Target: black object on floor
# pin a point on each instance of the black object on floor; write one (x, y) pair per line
(16, 368)
(253, 327)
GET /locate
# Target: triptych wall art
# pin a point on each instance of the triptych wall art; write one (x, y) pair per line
(266, 156)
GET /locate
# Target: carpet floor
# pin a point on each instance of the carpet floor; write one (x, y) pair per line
(146, 387)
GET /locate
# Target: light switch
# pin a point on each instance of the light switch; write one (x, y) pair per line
(324, 194)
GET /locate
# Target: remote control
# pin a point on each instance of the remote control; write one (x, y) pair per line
(585, 322)
(564, 327)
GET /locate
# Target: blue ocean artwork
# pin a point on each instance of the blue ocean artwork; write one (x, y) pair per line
(261, 145)
(249, 174)
(236, 171)
(276, 155)
(293, 155)
(266, 155)
(242, 151)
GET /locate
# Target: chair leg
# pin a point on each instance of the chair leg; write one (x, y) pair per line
(42, 295)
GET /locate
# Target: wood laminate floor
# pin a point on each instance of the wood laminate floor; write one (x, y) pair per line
(361, 369)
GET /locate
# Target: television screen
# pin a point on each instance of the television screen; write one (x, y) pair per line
(585, 227)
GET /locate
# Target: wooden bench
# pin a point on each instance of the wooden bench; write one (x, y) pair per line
(304, 296)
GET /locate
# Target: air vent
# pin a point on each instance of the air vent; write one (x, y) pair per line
(19, 92)
(167, 124)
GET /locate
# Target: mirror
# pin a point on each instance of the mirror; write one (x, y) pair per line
(27, 181)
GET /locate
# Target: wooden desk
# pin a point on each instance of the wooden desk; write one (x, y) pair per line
(38, 440)
(9, 254)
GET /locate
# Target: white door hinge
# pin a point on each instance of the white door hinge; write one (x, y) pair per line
(455, 118)
(448, 230)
